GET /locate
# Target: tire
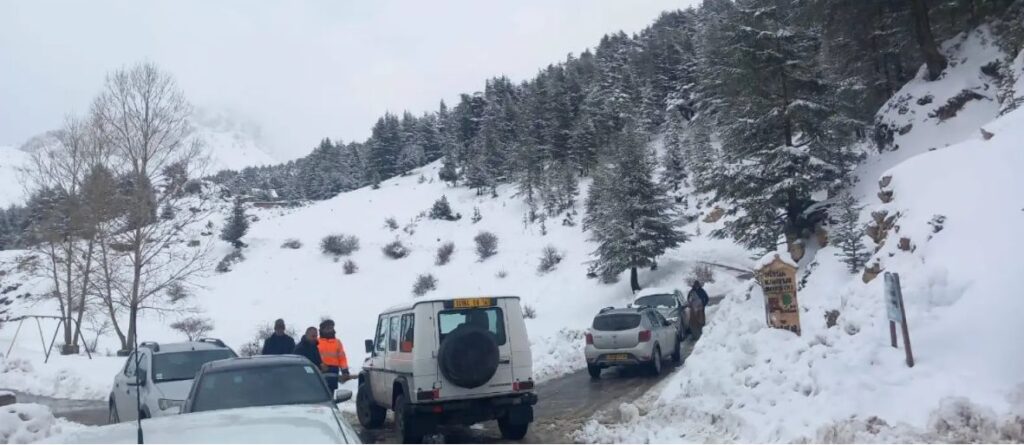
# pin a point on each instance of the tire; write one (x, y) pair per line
(112, 417)
(677, 356)
(468, 356)
(594, 371)
(371, 416)
(512, 431)
(655, 365)
(405, 421)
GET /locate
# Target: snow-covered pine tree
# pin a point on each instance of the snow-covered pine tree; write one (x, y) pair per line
(848, 232)
(673, 163)
(629, 214)
(236, 226)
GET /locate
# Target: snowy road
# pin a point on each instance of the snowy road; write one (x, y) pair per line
(87, 412)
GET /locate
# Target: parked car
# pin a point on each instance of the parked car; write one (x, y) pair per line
(634, 336)
(457, 361)
(159, 376)
(668, 302)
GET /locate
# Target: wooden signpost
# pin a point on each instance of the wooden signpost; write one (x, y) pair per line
(897, 313)
(778, 281)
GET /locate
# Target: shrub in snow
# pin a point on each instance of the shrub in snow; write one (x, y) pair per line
(476, 215)
(395, 250)
(529, 312)
(442, 210)
(236, 226)
(194, 328)
(339, 245)
(549, 259)
(194, 187)
(501, 273)
(486, 245)
(424, 283)
(255, 345)
(230, 260)
(177, 292)
(291, 243)
(848, 235)
(167, 212)
(350, 267)
(391, 223)
(703, 273)
(444, 253)
(193, 243)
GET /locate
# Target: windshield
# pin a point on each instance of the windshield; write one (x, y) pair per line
(616, 322)
(184, 365)
(660, 300)
(290, 384)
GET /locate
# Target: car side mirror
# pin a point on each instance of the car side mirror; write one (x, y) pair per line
(342, 395)
(142, 377)
(369, 346)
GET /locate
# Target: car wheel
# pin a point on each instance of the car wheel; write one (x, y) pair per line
(514, 431)
(677, 357)
(656, 361)
(595, 371)
(405, 421)
(371, 416)
(112, 416)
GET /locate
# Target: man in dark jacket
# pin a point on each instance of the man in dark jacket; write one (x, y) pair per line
(698, 288)
(278, 343)
(307, 347)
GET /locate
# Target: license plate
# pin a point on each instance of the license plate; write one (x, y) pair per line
(462, 303)
(617, 357)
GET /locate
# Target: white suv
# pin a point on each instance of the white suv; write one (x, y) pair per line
(156, 378)
(459, 361)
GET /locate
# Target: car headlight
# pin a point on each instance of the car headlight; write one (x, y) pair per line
(167, 404)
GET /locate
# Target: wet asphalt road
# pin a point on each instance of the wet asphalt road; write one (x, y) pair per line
(88, 412)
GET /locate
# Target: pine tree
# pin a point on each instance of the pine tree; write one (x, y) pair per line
(673, 164)
(848, 234)
(628, 213)
(236, 226)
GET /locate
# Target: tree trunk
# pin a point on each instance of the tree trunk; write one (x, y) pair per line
(86, 274)
(926, 41)
(634, 281)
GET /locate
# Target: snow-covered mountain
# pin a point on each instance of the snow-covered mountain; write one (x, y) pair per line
(11, 161)
(231, 142)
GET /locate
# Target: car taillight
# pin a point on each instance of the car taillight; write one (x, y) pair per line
(522, 386)
(644, 336)
(432, 394)
(590, 338)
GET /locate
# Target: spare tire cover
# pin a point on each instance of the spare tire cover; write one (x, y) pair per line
(468, 356)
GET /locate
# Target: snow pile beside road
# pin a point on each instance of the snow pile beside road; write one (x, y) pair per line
(64, 377)
(961, 210)
(29, 422)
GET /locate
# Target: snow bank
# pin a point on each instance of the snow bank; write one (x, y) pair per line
(29, 422)
(64, 377)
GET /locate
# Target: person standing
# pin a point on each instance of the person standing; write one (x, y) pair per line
(696, 300)
(332, 354)
(279, 343)
(307, 347)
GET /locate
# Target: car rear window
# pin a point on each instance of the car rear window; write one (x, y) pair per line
(169, 366)
(260, 386)
(659, 300)
(616, 322)
(490, 318)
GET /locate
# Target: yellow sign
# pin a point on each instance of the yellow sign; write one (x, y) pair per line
(463, 303)
(778, 281)
(617, 357)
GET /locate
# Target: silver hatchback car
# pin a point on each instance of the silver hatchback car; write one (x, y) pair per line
(637, 336)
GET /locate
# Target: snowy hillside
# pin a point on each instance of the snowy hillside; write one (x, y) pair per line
(11, 190)
(959, 204)
(230, 142)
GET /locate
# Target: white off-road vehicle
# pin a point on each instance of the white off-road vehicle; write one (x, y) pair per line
(458, 361)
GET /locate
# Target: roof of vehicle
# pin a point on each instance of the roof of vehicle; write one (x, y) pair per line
(183, 346)
(411, 304)
(256, 361)
(622, 310)
(264, 424)
(654, 291)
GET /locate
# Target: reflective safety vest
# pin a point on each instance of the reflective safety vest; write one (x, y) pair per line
(332, 353)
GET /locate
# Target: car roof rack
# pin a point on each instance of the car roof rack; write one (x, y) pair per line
(151, 345)
(214, 341)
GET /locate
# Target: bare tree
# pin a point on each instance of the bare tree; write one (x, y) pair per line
(144, 117)
(193, 327)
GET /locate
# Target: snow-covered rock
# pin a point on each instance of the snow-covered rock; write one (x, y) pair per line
(29, 422)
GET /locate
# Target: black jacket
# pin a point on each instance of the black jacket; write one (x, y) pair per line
(308, 350)
(278, 345)
(703, 294)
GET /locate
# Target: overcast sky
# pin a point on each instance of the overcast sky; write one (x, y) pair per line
(301, 70)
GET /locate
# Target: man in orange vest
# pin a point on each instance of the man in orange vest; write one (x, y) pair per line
(332, 356)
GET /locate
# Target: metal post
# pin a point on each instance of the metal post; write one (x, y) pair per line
(52, 341)
(892, 333)
(84, 341)
(15, 337)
